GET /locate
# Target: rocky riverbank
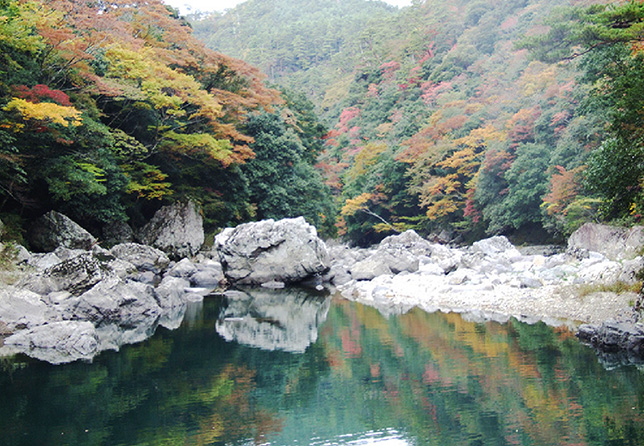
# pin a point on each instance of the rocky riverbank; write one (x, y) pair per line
(79, 299)
(494, 280)
(591, 285)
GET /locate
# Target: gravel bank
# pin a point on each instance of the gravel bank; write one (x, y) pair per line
(552, 304)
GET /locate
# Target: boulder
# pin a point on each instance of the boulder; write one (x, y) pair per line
(385, 261)
(409, 241)
(171, 291)
(176, 230)
(144, 258)
(185, 268)
(21, 308)
(209, 275)
(614, 336)
(338, 275)
(494, 246)
(43, 261)
(76, 275)
(22, 255)
(57, 342)
(117, 232)
(613, 242)
(54, 229)
(2, 230)
(370, 268)
(125, 303)
(285, 251)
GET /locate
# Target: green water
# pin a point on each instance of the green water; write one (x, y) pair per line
(339, 374)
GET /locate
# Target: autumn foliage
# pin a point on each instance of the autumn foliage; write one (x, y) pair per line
(107, 104)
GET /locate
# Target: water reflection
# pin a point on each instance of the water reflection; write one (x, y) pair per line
(388, 437)
(362, 379)
(273, 319)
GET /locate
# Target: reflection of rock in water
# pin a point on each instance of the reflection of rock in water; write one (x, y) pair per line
(285, 320)
(67, 341)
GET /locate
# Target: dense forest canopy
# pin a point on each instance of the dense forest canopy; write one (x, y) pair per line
(476, 117)
(108, 109)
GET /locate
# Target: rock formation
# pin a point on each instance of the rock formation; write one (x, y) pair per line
(266, 251)
(54, 229)
(176, 230)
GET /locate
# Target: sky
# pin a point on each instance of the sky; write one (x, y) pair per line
(187, 6)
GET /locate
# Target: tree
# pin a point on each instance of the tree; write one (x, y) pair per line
(609, 37)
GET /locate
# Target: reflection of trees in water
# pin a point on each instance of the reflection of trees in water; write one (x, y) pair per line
(273, 320)
(433, 378)
(449, 381)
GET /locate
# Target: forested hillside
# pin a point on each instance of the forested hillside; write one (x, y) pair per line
(457, 116)
(109, 110)
(473, 116)
(307, 45)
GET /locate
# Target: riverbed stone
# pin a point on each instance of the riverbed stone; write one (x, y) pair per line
(287, 251)
(408, 241)
(77, 274)
(55, 229)
(43, 261)
(494, 246)
(184, 268)
(606, 272)
(176, 229)
(338, 275)
(21, 308)
(370, 268)
(614, 336)
(126, 303)
(208, 275)
(144, 258)
(171, 292)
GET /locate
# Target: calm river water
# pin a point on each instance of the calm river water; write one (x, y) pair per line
(290, 368)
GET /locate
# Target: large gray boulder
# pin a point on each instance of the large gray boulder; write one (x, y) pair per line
(408, 241)
(395, 254)
(613, 242)
(176, 230)
(75, 275)
(21, 309)
(495, 246)
(55, 229)
(125, 303)
(284, 251)
(144, 258)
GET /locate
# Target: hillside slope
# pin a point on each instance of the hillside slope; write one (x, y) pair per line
(440, 120)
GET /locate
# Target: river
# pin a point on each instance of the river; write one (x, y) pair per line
(291, 368)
